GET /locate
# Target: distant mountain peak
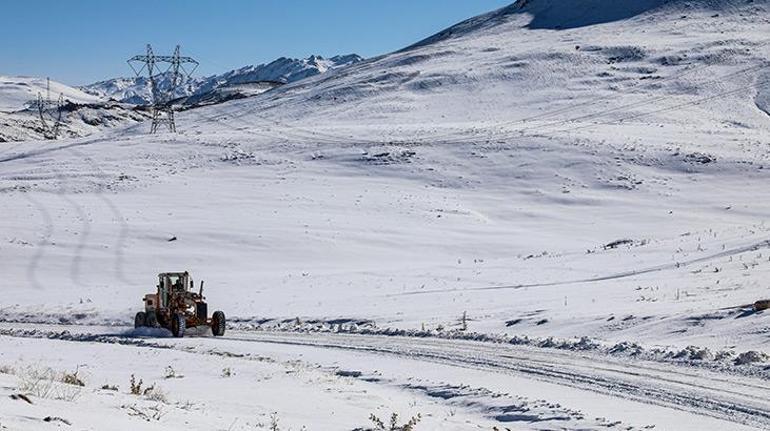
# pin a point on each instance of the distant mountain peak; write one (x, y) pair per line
(136, 90)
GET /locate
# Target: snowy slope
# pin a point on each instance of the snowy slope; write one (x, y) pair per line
(496, 68)
(16, 91)
(76, 120)
(464, 191)
(434, 127)
(137, 89)
(83, 113)
(578, 181)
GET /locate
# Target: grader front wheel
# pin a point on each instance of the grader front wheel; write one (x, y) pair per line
(218, 323)
(178, 325)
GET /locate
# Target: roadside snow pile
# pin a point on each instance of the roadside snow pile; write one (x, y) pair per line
(117, 338)
(691, 355)
(304, 325)
(79, 316)
(751, 357)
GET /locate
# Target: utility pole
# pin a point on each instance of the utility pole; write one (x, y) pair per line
(162, 98)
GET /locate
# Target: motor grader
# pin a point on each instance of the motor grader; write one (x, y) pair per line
(176, 306)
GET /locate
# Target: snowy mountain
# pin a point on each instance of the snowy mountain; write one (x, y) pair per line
(136, 90)
(550, 216)
(497, 67)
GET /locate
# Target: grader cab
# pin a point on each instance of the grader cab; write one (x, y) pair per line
(176, 306)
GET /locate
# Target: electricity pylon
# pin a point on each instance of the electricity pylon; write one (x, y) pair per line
(50, 112)
(162, 98)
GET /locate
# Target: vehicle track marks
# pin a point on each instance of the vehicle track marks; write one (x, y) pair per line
(609, 277)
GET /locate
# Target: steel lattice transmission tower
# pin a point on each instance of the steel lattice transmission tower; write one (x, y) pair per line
(163, 98)
(50, 112)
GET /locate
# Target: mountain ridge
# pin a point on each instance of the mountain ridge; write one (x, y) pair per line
(136, 90)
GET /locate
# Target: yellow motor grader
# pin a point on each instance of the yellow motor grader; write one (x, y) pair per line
(176, 307)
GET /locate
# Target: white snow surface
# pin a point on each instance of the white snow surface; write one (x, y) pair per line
(596, 173)
(82, 113)
(17, 91)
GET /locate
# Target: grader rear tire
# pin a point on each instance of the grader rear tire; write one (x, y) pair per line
(178, 325)
(140, 319)
(218, 323)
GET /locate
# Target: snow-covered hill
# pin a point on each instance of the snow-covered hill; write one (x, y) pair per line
(83, 114)
(17, 91)
(512, 64)
(491, 141)
(136, 90)
(76, 120)
(589, 179)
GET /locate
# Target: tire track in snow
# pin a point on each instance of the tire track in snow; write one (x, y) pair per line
(75, 264)
(615, 276)
(117, 215)
(693, 393)
(34, 266)
(709, 394)
(83, 235)
(500, 407)
(45, 240)
(42, 151)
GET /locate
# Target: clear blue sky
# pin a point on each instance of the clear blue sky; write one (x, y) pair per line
(82, 41)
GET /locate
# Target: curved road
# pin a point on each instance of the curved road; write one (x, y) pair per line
(738, 399)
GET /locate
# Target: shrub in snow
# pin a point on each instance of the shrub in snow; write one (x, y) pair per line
(632, 349)
(548, 342)
(47, 383)
(136, 386)
(72, 379)
(379, 425)
(155, 394)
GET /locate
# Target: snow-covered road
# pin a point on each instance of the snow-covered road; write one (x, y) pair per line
(738, 399)
(640, 392)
